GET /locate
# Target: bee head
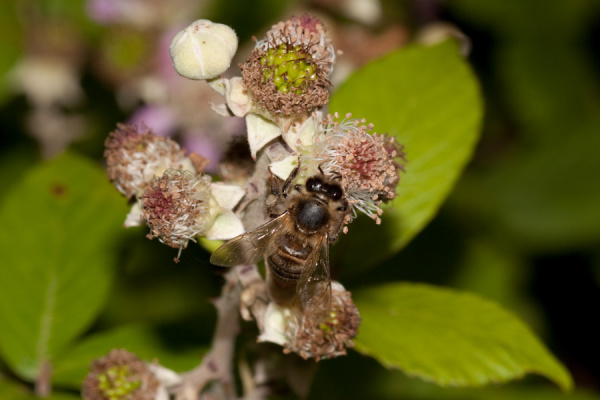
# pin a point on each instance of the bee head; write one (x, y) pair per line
(316, 184)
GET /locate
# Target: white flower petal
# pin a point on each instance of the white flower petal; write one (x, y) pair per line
(274, 323)
(47, 81)
(166, 376)
(365, 11)
(226, 226)
(161, 393)
(134, 218)
(336, 286)
(260, 132)
(300, 134)
(238, 99)
(227, 196)
(219, 85)
(221, 109)
(283, 168)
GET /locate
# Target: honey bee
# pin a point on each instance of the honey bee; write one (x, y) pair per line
(295, 244)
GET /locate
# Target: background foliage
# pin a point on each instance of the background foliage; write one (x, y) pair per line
(521, 227)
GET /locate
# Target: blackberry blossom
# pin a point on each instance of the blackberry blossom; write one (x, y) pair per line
(135, 155)
(287, 72)
(176, 207)
(367, 164)
(300, 333)
(120, 375)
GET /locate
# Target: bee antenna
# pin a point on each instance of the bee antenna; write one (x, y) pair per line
(336, 176)
(321, 169)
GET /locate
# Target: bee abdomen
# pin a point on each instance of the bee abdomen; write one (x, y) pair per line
(288, 260)
(282, 268)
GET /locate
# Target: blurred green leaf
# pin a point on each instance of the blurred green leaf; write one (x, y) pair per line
(428, 98)
(542, 200)
(358, 377)
(450, 338)
(58, 226)
(247, 18)
(13, 391)
(14, 164)
(71, 367)
(492, 271)
(11, 47)
(548, 199)
(541, 191)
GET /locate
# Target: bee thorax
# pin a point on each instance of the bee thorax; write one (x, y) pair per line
(312, 216)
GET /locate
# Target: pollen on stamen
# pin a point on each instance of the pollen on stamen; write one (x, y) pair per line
(134, 155)
(176, 207)
(330, 338)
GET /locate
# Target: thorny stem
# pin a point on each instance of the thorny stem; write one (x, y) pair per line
(43, 384)
(243, 287)
(218, 363)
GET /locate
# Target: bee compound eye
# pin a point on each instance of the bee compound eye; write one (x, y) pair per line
(313, 185)
(335, 192)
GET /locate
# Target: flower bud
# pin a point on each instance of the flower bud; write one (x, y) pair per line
(203, 50)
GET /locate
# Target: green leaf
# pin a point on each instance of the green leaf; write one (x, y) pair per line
(428, 98)
(71, 367)
(11, 48)
(450, 338)
(59, 224)
(14, 391)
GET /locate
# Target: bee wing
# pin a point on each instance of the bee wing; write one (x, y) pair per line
(249, 247)
(314, 285)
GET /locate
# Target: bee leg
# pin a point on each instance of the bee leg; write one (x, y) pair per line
(274, 195)
(334, 230)
(288, 181)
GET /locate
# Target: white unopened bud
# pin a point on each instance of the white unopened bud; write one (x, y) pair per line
(203, 50)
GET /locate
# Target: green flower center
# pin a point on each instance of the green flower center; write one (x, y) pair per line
(289, 68)
(115, 383)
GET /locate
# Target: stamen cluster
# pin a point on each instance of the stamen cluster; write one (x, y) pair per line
(328, 339)
(176, 207)
(365, 162)
(134, 155)
(287, 71)
(120, 375)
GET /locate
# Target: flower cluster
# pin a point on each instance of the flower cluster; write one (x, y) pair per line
(172, 195)
(280, 93)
